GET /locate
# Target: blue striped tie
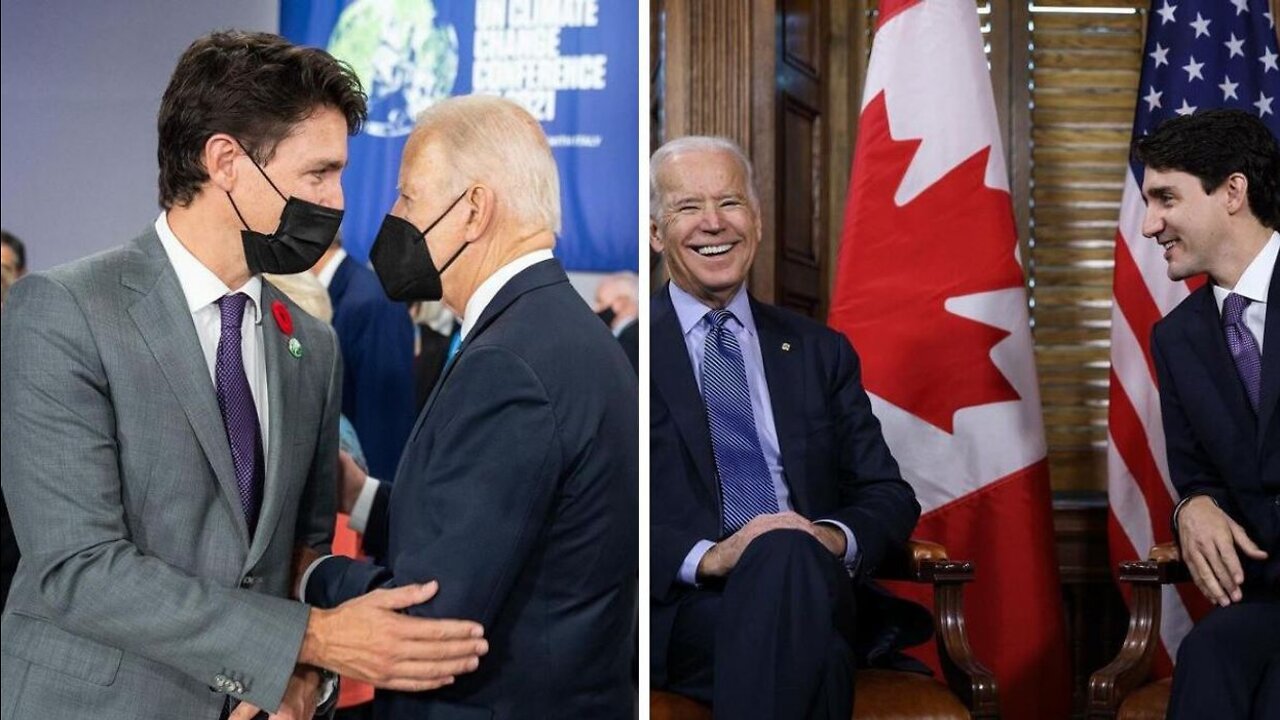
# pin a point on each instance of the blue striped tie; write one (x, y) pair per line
(746, 489)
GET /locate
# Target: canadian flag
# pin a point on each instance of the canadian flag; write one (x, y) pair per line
(930, 291)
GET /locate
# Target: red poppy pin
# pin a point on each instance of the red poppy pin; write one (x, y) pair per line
(283, 319)
(285, 322)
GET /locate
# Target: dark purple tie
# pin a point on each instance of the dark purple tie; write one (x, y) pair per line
(239, 414)
(1244, 349)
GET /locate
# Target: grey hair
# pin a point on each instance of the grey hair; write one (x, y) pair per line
(626, 283)
(697, 143)
(493, 140)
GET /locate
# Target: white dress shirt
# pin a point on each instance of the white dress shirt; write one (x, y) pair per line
(202, 290)
(488, 289)
(1254, 284)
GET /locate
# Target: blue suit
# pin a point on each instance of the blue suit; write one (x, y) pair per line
(518, 492)
(1217, 446)
(376, 337)
(838, 467)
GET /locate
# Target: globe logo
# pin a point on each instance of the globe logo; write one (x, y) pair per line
(403, 60)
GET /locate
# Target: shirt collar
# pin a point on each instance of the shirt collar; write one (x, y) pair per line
(325, 276)
(691, 310)
(200, 286)
(1255, 281)
(488, 289)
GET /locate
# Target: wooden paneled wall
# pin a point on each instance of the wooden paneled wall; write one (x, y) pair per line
(775, 76)
(716, 68)
(802, 152)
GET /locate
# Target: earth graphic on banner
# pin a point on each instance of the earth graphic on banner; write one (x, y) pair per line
(405, 62)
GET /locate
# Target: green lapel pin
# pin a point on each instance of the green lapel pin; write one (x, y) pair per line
(295, 347)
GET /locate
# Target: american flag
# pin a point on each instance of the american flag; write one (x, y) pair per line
(1200, 54)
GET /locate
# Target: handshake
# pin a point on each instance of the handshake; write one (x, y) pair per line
(369, 639)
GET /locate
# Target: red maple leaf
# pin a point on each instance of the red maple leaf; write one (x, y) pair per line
(899, 265)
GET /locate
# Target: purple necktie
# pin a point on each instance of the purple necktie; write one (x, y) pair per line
(239, 414)
(1244, 349)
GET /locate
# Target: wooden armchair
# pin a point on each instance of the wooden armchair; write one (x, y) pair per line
(1120, 690)
(895, 694)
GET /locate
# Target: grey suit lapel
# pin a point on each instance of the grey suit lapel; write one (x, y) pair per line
(282, 387)
(164, 322)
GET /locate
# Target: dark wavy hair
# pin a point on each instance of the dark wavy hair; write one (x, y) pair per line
(1214, 144)
(19, 250)
(253, 86)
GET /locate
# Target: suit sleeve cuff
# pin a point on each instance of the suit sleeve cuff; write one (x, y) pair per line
(689, 568)
(850, 544)
(306, 575)
(364, 504)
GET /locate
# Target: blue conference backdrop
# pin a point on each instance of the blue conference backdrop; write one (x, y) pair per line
(572, 63)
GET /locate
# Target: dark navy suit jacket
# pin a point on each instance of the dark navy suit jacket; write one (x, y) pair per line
(630, 340)
(376, 337)
(518, 492)
(836, 462)
(1217, 445)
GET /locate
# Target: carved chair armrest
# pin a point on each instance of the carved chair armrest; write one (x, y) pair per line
(1132, 665)
(921, 561)
(1167, 558)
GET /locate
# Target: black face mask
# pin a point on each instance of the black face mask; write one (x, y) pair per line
(402, 261)
(305, 231)
(608, 316)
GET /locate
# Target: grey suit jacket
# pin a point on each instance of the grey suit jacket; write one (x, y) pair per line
(140, 592)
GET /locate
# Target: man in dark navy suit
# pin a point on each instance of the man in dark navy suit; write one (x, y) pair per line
(618, 305)
(518, 487)
(1212, 187)
(375, 334)
(774, 495)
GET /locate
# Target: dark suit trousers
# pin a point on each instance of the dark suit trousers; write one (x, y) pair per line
(1229, 664)
(775, 641)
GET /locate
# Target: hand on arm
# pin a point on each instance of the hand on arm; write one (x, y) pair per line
(1209, 538)
(368, 639)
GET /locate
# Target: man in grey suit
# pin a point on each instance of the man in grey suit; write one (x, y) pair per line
(170, 427)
